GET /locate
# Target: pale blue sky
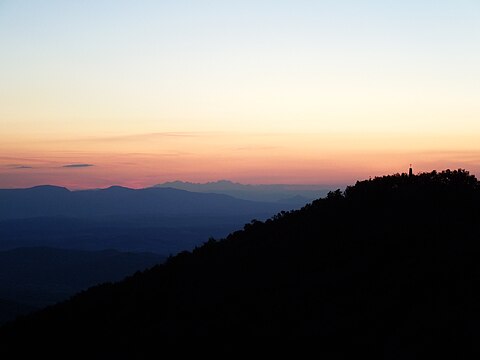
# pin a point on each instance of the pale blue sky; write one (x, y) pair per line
(358, 70)
(201, 63)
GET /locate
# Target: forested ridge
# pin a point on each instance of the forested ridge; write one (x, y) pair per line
(388, 259)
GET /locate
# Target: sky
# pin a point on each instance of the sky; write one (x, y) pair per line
(135, 93)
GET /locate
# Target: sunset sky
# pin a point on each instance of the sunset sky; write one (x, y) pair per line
(134, 93)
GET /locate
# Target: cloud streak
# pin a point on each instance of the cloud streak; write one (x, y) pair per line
(17, 166)
(145, 137)
(77, 165)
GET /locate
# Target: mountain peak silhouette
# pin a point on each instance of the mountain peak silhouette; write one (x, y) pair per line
(45, 188)
(118, 188)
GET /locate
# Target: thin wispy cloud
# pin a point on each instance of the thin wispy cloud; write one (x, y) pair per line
(144, 137)
(160, 154)
(255, 148)
(77, 165)
(20, 160)
(17, 166)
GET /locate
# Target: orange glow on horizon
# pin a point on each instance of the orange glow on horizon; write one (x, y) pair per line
(147, 159)
(315, 92)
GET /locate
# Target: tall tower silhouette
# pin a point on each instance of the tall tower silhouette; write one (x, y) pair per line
(410, 171)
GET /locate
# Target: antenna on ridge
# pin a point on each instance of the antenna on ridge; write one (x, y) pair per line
(410, 171)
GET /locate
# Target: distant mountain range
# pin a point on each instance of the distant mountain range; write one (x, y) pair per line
(120, 201)
(391, 265)
(283, 193)
(160, 220)
(56, 238)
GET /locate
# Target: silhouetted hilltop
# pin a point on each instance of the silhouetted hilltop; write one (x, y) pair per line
(391, 262)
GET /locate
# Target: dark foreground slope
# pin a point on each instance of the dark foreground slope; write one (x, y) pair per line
(10, 310)
(393, 259)
(40, 276)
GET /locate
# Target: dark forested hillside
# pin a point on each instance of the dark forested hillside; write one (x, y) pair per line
(389, 260)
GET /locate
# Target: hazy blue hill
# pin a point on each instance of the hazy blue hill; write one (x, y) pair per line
(295, 194)
(35, 201)
(163, 235)
(391, 263)
(55, 201)
(160, 220)
(294, 200)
